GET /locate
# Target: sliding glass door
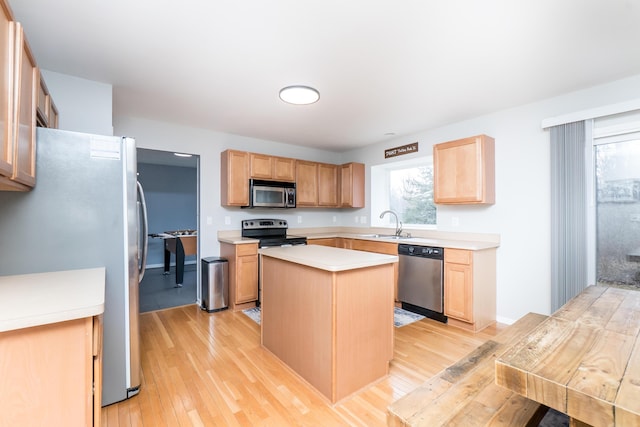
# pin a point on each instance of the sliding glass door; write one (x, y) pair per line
(617, 210)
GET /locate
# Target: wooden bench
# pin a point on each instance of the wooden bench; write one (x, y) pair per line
(465, 394)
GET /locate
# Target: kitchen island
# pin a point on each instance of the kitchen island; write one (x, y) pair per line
(327, 313)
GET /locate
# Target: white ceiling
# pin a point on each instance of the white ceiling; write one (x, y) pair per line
(381, 66)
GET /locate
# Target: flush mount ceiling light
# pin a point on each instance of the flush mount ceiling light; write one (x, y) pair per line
(299, 95)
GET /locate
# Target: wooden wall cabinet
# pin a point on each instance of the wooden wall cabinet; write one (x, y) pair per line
(243, 274)
(327, 185)
(464, 171)
(46, 111)
(352, 185)
(234, 178)
(52, 374)
(274, 168)
(470, 287)
(306, 183)
(18, 96)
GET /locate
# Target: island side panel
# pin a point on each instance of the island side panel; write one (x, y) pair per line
(297, 320)
(364, 327)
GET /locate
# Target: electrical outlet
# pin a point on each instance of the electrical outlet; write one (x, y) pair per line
(455, 221)
(299, 219)
(363, 220)
(334, 219)
(356, 219)
(227, 220)
(209, 220)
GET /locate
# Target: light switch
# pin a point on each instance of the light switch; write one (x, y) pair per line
(209, 220)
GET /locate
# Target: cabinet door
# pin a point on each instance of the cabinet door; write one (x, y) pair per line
(7, 70)
(306, 183)
(464, 171)
(27, 88)
(247, 279)
(261, 166)
(234, 178)
(352, 185)
(327, 185)
(284, 169)
(458, 291)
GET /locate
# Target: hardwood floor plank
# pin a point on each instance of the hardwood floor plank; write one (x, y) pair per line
(208, 369)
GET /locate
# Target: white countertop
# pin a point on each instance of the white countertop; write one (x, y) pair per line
(420, 241)
(328, 258)
(28, 300)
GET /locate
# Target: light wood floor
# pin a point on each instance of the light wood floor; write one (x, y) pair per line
(203, 369)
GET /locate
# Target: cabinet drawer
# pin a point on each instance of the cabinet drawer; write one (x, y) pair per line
(377, 247)
(458, 256)
(247, 249)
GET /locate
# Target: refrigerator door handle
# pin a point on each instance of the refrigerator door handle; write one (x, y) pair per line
(144, 233)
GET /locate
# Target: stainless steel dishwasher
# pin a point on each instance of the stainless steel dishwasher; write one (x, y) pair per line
(420, 280)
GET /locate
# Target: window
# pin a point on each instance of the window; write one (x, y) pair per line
(406, 187)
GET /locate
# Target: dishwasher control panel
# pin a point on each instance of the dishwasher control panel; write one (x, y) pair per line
(421, 251)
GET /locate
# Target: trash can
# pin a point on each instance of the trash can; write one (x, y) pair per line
(215, 284)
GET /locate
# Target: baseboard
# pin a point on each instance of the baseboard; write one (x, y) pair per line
(173, 264)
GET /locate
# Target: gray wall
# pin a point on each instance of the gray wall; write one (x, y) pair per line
(172, 202)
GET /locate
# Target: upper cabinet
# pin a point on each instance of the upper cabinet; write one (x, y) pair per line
(464, 171)
(306, 183)
(234, 178)
(272, 168)
(317, 184)
(327, 185)
(20, 90)
(352, 185)
(46, 112)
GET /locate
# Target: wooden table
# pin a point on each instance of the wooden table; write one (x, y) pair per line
(584, 360)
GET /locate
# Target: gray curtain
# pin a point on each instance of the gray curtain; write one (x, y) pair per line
(568, 213)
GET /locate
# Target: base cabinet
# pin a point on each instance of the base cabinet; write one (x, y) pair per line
(470, 288)
(49, 374)
(243, 274)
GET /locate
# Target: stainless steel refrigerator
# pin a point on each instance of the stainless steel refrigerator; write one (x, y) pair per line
(85, 211)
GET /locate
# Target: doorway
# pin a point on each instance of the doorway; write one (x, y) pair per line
(617, 197)
(170, 183)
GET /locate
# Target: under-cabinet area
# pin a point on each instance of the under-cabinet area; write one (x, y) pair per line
(317, 184)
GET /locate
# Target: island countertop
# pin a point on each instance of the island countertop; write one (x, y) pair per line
(328, 258)
(28, 300)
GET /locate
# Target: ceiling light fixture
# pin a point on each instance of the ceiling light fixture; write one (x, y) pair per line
(182, 155)
(299, 95)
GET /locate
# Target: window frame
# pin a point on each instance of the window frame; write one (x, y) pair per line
(380, 199)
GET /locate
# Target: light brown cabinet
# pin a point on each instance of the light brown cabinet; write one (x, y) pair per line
(18, 96)
(243, 273)
(329, 241)
(327, 185)
(46, 111)
(464, 171)
(306, 183)
(52, 374)
(470, 287)
(234, 178)
(380, 248)
(272, 168)
(352, 185)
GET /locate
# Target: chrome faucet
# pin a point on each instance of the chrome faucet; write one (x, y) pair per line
(398, 223)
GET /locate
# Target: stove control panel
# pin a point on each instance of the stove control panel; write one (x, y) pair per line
(260, 224)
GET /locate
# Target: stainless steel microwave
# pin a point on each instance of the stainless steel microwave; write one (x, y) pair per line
(271, 194)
